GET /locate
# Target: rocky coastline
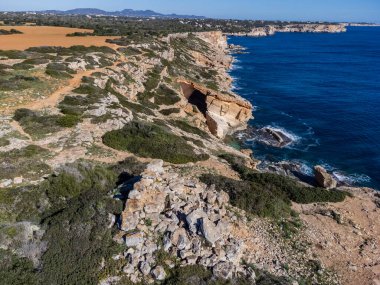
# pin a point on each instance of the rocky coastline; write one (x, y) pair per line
(151, 118)
(270, 30)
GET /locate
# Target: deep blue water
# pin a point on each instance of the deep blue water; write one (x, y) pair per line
(322, 88)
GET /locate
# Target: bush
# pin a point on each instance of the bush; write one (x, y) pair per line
(35, 61)
(15, 270)
(165, 96)
(68, 121)
(293, 190)
(197, 274)
(167, 112)
(263, 200)
(58, 74)
(148, 140)
(18, 82)
(23, 162)
(184, 126)
(36, 124)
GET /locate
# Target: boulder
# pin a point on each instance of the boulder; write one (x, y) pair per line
(209, 231)
(180, 239)
(5, 183)
(144, 268)
(223, 270)
(134, 239)
(155, 166)
(193, 219)
(18, 180)
(158, 273)
(323, 178)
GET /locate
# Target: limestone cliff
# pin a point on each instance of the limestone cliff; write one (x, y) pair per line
(295, 28)
(223, 111)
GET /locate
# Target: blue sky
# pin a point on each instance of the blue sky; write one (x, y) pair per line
(330, 10)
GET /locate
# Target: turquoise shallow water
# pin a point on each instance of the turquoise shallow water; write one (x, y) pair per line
(324, 90)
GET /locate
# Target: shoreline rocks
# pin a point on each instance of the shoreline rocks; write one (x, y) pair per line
(323, 178)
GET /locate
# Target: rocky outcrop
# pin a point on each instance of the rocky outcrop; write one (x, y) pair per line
(224, 113)
(323, 178)
(194, 222)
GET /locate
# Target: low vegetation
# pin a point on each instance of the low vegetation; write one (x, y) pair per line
(147, 140)
(266, 194)
(73, 207)
(9, 32)
(26, 162)
(39, 125)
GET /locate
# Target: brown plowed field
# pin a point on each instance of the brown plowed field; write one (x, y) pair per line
(35, 36)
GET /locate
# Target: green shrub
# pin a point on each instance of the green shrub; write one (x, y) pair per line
(148, 140)
(154, 77)
(197, 274)
(167, 112)
(184, 126)
(134, 107)
(23, 162)
(293, 190)
(13, 54)
(68, 121)
(22, 66)
(18, 82)
(37, 124)
(58, 74)
(264, 200)
(35, 61)
(165, 96)
(15, 270)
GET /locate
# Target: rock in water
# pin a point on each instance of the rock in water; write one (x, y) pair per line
(323, 178)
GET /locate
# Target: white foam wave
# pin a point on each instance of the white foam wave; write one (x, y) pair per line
(351, 178)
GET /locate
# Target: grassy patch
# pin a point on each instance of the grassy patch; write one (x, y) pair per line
(148, 140)
(26, 162)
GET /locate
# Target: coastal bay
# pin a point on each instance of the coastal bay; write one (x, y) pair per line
(322, 91)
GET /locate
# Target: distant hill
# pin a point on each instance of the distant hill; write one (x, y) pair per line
(123, 13)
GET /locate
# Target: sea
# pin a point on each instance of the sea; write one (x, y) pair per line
(323, 91)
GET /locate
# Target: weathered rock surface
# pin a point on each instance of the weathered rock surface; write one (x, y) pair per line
(192, 220)
(224, 113)
(295, 28)
(323, 178)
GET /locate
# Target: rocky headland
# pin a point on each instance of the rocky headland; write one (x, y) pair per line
(117, 172)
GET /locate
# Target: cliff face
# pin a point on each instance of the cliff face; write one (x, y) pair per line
(223, 113)
(222, 110)
(296, 28)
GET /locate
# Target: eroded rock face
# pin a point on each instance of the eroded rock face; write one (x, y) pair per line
(323, 178)
(223, 113)
(295, 28)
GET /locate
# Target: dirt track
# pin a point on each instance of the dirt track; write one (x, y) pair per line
(35, 36)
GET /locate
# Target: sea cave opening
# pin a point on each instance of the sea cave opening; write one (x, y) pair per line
(195, 97)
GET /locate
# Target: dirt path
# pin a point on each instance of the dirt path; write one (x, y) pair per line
(58, 95)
